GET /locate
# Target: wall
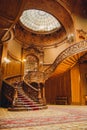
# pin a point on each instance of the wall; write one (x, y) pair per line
(75, 85)
(11, 51)
(80, 24)
(12, 68)
(53, 53)
(72, 84)
(1, 48)
(78, 84)
(15, 49)
(83, 82)
(58, 86)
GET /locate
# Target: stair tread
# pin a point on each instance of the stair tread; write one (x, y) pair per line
(25, 103)
(25, 108)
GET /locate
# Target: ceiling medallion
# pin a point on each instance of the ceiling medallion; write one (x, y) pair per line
(39, 21)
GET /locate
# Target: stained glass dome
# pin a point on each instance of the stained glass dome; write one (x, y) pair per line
(39, 21)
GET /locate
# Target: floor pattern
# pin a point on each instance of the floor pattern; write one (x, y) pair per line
(56, 117)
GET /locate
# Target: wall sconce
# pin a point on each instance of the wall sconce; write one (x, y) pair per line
(24, 60)
(70, 38)
(6, 60)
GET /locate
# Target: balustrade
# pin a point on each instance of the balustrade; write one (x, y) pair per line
(35, 77)
(7, 94)
(30, 90)
(68, 52)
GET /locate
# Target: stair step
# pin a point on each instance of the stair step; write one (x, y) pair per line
(25, 103)
(22, 101)
(24, 108)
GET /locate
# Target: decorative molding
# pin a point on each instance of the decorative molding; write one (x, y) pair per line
(9, 36)
(6, 19)
(33, 50)
(39, 40)
(82, 34)
(32, 47)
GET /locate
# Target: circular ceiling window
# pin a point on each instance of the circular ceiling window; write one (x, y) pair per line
(39, 21)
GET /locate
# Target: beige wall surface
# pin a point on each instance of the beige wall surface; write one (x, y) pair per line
(50, 54)
(15, 49)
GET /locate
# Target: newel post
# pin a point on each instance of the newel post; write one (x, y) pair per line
(44, 98)
(15, 96)
(39, 93)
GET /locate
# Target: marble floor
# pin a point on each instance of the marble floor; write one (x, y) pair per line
(54, 110)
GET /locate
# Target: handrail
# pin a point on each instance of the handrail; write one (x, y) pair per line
(8, 83)
(32, 92)
(31, 86)
(8, 92)
(13, 76)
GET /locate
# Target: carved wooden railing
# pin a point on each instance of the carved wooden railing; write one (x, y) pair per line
(8, 93)
(12, 79)
(70, 51)
(36, 92)
(31, 91)
(9, 90)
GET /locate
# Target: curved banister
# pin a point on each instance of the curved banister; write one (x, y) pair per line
(8, 83)
(9, 89)
(13, 76)
(70, 51)
(8, 92)
(31, 86)
(31, 91)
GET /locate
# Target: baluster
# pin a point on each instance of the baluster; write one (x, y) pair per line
(15, 96)
(39, 93)
(44, 99)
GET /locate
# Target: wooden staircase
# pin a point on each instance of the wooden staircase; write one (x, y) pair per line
(23, 102)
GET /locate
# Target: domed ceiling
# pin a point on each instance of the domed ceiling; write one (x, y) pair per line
(45, 24)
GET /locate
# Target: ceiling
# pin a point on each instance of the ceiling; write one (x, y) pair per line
(10, 12)
(62, 10)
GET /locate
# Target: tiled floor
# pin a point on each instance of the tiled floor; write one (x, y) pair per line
(82, 125)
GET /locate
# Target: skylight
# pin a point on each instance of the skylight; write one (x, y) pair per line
(39, 21)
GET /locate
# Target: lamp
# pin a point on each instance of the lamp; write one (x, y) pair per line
(6, 60)
(71, 38)
(24, 60)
